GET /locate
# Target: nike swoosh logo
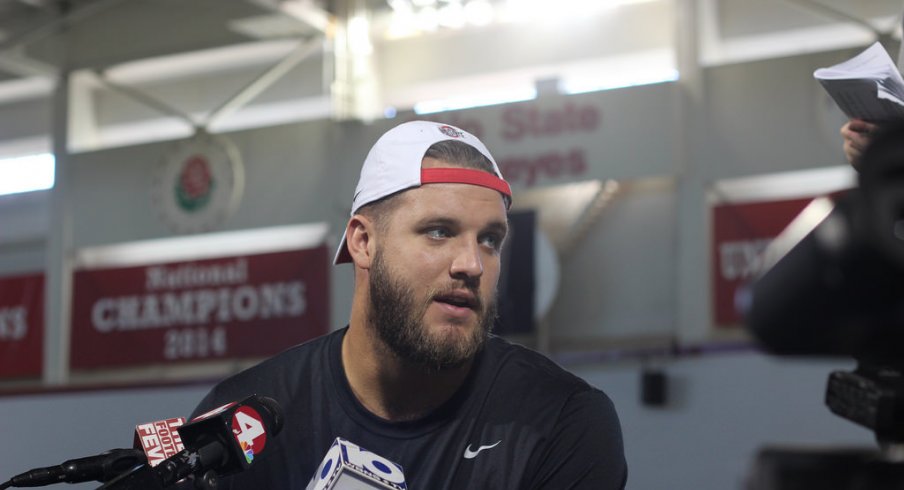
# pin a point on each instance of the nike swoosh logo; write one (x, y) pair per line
(469, 453)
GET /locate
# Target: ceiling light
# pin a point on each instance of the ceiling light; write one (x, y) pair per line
(403, 24)
(452, 15)
(428, 19)
(479, 12)
(400, 5)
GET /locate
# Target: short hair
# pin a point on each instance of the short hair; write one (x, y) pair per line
(455, 153)
(460, 154)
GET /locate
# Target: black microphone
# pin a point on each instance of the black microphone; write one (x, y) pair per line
(221, 442)
(101, 467)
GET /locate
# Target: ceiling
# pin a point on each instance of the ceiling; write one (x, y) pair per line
(101, 33)
(39, 36)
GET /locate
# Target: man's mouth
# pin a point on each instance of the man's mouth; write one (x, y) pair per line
(459, 299)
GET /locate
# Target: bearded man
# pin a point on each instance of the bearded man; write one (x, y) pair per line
(416, 377)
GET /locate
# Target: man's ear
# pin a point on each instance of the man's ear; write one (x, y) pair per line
(359, 238)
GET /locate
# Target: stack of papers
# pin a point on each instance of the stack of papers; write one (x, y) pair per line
(867, 86)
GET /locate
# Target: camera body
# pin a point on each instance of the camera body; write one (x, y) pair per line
(834, 286)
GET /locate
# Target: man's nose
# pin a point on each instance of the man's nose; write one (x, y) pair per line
(467, 261)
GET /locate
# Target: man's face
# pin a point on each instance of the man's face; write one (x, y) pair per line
(434, 274)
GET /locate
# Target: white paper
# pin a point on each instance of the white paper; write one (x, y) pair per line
(867, 86)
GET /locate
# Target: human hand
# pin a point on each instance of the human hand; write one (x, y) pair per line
(857, 134)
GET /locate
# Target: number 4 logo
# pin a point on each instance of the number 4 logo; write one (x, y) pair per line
(249, 429)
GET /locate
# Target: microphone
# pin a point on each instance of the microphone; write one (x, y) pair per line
(154, 442)
(101, 467)
(220, 442)
(348, 466)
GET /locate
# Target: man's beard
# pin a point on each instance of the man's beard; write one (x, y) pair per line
(399, 323)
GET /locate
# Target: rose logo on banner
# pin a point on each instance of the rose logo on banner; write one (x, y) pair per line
(195, 184)
(199, 184)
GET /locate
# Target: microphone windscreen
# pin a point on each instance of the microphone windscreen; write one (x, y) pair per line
(275, 411)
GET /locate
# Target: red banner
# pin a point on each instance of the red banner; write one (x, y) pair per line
(234, 307)
(740, 234)
(21, 326)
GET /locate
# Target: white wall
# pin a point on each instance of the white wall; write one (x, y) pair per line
(723, 408)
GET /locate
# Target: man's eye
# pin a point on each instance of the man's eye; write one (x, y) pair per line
(493, 241)
(438, 233)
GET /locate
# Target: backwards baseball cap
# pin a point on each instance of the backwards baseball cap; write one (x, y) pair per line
(394, 164)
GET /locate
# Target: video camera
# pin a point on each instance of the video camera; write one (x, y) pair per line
(834, 286)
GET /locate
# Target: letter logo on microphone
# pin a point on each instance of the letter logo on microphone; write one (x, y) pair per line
(248, 429)
(347, 466)
(159, 440)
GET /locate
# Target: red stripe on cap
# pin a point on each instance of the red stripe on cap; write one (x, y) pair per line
(464, 176)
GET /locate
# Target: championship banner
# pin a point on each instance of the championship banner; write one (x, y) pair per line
(21, 326)
(223, 308)
(740, 234)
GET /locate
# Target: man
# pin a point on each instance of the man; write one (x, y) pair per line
(416, 377)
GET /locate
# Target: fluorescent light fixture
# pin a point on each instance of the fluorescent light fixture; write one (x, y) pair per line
(26, 173)
(413, 17)
(403, 24)
(359, 36)
(475, 100)
(544, 10)
(479, 12)
(452, 15)
(428, 19)
(612, 80)
(198, 247)
(399, 5)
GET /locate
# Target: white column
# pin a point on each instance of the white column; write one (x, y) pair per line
(692, 288)
(58, 278)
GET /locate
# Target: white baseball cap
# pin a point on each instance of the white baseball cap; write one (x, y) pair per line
(394, 164)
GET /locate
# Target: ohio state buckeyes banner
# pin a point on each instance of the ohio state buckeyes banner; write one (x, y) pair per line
(740, 234)
(21, 326)
(235, 307)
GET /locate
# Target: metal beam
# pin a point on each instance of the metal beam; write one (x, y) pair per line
(835, 14)
(264, 81)
(14, 62)
(54, 26)
(147, 100)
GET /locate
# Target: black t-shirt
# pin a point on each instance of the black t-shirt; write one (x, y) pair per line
(548, 428)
